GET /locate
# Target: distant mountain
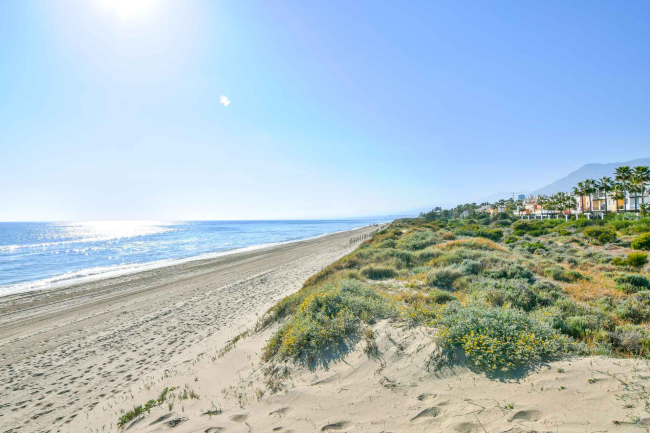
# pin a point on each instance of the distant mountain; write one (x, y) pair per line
(587, 171)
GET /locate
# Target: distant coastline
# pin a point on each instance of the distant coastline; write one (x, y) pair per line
(100, 272)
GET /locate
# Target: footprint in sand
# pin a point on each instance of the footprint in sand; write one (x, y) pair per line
(526, 415)
(430, 412)
(464, 427)
(239, 417)
(175, 422)
(426, 396)
(214, 429)
(335, 426)
(162, 418)
(280, 411)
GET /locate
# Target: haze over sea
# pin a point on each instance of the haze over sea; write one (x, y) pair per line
(39, 255)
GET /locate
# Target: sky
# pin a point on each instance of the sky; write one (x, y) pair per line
(187, 110)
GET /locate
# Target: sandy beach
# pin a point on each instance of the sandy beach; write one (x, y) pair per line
(76, 359)
(67, 352)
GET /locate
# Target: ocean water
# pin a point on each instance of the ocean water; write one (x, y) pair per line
(40, 255)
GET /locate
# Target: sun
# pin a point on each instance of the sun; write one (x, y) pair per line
(128, 9)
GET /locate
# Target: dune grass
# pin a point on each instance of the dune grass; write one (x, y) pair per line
(138, 410)
(550, 289)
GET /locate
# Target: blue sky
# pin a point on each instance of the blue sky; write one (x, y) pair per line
(337, 108)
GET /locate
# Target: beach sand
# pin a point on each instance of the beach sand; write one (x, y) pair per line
(67, 353)
(390, 393)
(76, 359)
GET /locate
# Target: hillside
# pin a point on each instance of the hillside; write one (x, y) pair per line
(587, 171)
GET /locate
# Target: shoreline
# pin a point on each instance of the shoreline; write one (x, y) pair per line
(133, 268)
(63, 350)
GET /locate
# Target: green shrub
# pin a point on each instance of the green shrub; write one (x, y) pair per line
(417, 240)
(633, 279)
(420, 269)
(546, 289)
(637, 260)
(377, 273)
(533, 228)
(426, 255)
(635, 309)
(561, 274)
(531, 247)
(499, 338)
(444, 277)
(517, 294)
(493, 234)
(441, 296)
(475, 230)
(633, 339)
(601, 235)
(388, 243)
(326, 318)
(579, 326)
(582, 222)
(620, 225)
(511, 271)
(471, 267)
(511, 239)
(402, 258)
(641, 226)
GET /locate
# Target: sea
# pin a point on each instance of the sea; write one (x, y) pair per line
(39, 255)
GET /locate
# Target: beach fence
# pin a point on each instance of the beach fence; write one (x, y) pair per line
(363, 237)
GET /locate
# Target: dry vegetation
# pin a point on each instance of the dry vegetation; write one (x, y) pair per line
(506, 292)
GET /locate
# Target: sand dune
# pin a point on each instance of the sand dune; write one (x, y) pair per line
(69, 354)
(390, 392)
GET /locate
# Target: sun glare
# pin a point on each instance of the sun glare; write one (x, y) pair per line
(128, 9)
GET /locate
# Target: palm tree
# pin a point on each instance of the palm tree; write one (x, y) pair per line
(519, 205)
(644, 208)
(571, 202)
(562, 202)
(605, 185)
(641, 175)
(554, 204)
(623, 176)
(542, 201)
(580, 190)
(619, 194)
(590, 188)
(635, 188)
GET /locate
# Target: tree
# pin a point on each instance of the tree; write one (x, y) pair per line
(619, 193)
(623, 177)
(605, 185)
(555, 202)
(590, 188)
(519, 206)
(635, 189)
(580, 190)
(542, 201)
(641, 176)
